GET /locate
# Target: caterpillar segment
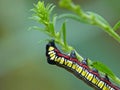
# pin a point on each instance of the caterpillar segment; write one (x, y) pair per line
(80, 69)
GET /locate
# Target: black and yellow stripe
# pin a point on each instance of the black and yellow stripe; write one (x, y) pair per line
(54, 56)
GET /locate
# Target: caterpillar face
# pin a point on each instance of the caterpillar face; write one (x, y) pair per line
(80, 69)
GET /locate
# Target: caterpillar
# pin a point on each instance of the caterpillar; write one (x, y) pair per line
(80, 69)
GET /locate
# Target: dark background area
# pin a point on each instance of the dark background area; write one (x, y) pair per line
(23, 63)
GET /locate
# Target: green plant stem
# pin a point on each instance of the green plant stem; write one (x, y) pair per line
(107, 29)
(64, 46)
(42, 13)
(91, 19)
(117, 80)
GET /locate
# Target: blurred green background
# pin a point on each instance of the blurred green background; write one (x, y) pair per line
(23, 63)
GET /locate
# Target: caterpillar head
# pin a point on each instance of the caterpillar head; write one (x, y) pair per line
(50, 53)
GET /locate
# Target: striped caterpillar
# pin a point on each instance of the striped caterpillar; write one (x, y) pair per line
(80, 69)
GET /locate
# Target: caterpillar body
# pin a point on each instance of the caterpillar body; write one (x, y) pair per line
(80, 69)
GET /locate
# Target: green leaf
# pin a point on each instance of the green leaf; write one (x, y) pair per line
(51, 29)
(64, 33)
(54, 20)
(36, 28)
(72, 16)
(98, 17)
(42, 12)
(50, 8)
(116, 26)
(44, 30)
(101, 67)
(35, 18)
